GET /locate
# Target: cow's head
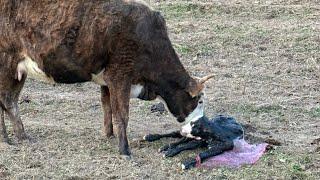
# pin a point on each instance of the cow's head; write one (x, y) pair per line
(162, 72)
(187, 104)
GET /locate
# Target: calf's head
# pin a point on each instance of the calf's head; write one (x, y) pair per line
(197, 128)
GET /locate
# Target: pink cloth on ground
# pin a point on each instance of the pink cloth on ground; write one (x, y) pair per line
(242, 153)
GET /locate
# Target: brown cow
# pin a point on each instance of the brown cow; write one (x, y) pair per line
(121, 45)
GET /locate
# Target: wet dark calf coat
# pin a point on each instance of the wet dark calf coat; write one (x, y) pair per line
(217, 135)
(115, 43)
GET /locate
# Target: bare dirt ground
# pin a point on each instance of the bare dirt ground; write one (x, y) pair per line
(266, 58)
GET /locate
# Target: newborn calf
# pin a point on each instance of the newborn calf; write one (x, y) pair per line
(217, 135)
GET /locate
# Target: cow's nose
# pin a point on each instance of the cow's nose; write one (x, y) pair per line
(180, 119)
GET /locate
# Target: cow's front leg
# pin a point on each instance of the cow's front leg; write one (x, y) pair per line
(106, 107)
(119, 88)
(120, 109)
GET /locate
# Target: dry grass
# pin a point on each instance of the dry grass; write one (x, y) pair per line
(266, 57)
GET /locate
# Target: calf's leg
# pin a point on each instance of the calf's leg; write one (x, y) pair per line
(106, 107)
(188, 146)
(216, 148)
(154, 137)
(175, 144)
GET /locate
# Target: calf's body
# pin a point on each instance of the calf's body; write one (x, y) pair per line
(216, 134)
(121, 45)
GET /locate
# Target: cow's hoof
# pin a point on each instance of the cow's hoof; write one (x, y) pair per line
(126, 157)
(125, 153)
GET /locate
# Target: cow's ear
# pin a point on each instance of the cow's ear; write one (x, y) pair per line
(194, 87)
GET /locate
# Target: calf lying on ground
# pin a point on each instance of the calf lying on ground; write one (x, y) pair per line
(217, 135)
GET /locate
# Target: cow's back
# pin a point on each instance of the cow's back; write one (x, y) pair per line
(70, 35)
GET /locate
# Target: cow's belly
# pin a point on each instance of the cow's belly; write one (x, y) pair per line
(56, 73)
(135, 91)
(32, 70)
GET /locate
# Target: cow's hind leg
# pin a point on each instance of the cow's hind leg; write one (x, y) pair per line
(13, 113)
(10, 89)
(106, 106)
(3, 129)
(9, 101)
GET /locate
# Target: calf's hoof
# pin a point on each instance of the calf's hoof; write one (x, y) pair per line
(163, 148)
(170, 153)
(188, 164)
(151, 137)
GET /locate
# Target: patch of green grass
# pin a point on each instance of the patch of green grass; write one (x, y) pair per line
(315, 112)
(182, 49)
(182, 10)
(248, 108)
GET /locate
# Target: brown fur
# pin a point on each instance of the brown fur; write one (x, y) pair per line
(71, 40)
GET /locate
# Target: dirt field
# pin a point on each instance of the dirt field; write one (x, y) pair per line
(266, 55)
